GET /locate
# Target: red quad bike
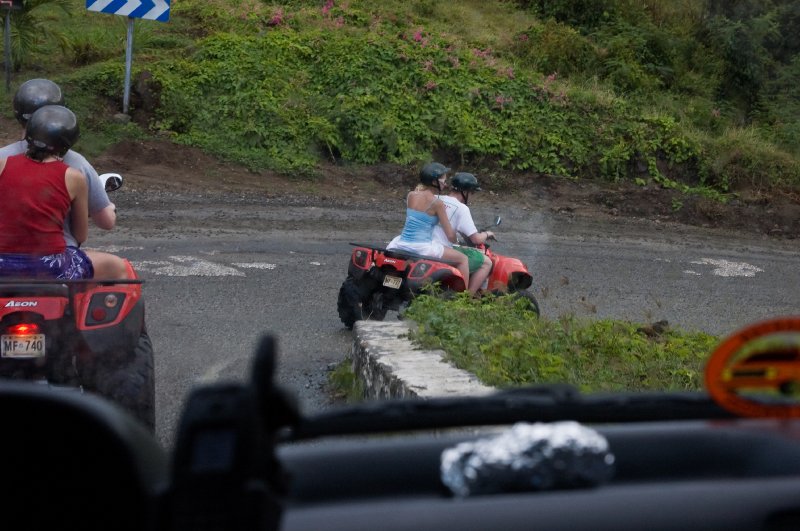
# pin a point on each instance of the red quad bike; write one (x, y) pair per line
(379, 280)
(87, 335)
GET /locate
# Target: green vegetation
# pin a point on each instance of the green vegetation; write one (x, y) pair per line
(345, 383)
(696, 95)
(495, 339)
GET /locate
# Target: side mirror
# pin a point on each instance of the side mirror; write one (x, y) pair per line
(111, 181)
(497, 221)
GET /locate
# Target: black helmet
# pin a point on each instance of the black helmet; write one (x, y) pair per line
(52, 129)
(32, 95)
(464, 182)
(431, 173)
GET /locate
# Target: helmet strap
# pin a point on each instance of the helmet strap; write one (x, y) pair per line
(465, 196)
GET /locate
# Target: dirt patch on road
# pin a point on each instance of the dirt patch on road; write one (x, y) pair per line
(160, 166)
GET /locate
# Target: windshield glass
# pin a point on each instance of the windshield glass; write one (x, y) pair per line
(416, 199)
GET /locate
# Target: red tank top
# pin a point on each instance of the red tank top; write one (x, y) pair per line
(34, 202)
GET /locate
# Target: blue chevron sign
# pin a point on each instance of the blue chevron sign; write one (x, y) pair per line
(147, 9)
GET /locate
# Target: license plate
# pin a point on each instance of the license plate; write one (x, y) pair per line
(392, 282)
(22, 346)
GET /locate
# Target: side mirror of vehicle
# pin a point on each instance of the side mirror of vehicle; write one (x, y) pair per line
(755, 372)
(111, 181)
(497, 221)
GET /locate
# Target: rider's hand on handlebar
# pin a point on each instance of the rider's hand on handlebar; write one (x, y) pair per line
(489, 235)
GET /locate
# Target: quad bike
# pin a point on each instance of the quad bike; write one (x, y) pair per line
(379, 280)
(88, 335)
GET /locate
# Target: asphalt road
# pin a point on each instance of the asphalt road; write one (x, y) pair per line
(220, 273)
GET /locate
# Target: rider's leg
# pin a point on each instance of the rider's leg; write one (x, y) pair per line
(477, 277)
(462, 264)
(107, 266)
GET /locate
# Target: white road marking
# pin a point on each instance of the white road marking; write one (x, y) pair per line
(186, 266)
(724, 268)
(255, 265)
(112, 248)
(213, 372)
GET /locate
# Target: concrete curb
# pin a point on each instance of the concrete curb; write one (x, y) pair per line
(390, 366)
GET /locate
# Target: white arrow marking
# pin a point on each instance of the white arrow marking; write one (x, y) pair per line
(724, 268)
(255, 265)
(195, 268)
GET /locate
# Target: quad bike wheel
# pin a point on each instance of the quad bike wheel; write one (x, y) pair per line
(132, 386)
(373, 308)
(533, 304)
(349, 303)
(353, 306)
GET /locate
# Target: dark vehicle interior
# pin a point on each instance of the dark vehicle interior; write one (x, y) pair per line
(545, 457)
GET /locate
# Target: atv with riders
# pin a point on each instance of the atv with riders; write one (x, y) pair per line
(379, 280)
(87, 335)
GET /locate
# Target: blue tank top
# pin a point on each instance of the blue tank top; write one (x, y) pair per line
(418, 227)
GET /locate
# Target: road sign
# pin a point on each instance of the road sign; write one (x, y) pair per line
(146, 9)
(11, 4)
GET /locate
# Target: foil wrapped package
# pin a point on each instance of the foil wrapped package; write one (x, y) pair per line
(527, 457)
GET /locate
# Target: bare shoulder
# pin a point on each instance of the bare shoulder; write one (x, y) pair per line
(75, 178)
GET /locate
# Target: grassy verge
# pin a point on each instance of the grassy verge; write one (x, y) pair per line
(504, 345)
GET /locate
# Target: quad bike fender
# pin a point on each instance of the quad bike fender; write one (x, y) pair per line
(361, 260)
(48, 308)
(427, 272)
(119, 339)
(509, 274)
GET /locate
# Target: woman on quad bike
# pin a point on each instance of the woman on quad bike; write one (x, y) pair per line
(31, 96)
(424, 211)
(38, 191)
(461, 186)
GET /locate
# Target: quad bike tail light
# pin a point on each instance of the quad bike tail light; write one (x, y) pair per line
(23, 329)
(361, 258)
(420, 270)
(104, 308)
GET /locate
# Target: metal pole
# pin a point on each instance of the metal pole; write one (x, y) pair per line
(7, 45)
(128, 59)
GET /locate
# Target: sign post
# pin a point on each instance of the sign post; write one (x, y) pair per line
(147, 9)
(8, 5)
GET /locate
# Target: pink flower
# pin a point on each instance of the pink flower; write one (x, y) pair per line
(277, 19)
(418, 36)
(327, 7)
(524, 37)
(427, 65)
(339, 22)
(430, 85)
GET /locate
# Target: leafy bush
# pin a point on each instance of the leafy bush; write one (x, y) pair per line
(626, 89)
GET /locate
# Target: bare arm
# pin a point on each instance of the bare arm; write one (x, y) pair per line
(77, 188)
(106, 218)
(481, 237)
(441, 212)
